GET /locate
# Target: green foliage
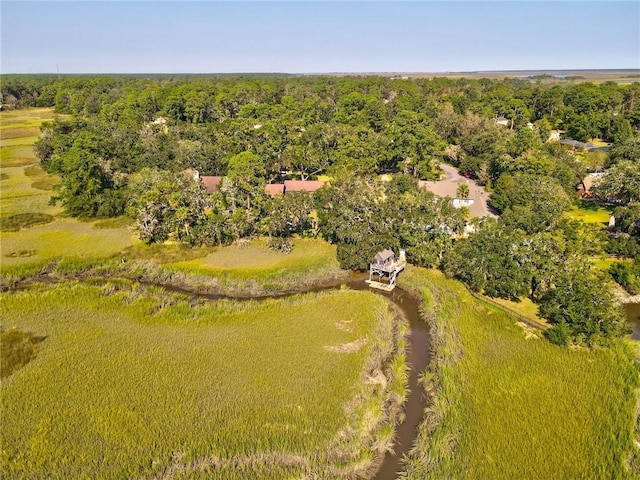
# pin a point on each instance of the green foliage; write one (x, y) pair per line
(623, 245)
(87, 189)
(280, 244)
(559, 334)
(620, 183)
(289, 214)
(167, 205)
(462, 191)
(492, 261)
(588, 315)
(365, 125)
(627, 274)
(507, 406)
(362, 217)
(548, 267)
(628, 219)
(529, 202)
(627, 149)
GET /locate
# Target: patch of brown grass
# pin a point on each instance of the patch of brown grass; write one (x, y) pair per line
(350, 347)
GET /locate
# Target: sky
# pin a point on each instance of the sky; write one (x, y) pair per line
(316, 36)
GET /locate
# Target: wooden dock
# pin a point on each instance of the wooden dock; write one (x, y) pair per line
(387, 287)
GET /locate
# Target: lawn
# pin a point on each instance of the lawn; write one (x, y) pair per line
(508, 405)
(590, 212)
(524, 306)
(137, 383)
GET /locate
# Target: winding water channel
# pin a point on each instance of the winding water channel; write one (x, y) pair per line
(418, 354)
(418, 357)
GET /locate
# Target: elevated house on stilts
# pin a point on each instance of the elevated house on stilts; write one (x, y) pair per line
(386, 267)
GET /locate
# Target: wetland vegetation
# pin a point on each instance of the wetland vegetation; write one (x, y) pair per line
(142, 383)
(148, 383)
(507, 404)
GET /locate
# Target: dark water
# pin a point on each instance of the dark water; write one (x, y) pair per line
(418, 356)
(633, 315)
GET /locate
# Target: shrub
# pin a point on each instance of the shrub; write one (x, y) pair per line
(558, 335)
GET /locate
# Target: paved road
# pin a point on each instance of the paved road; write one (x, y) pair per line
(447, 188)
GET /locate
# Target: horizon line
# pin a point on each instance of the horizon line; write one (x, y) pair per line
(380, 72)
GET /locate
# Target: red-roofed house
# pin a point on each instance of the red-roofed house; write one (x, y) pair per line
(274, 189)
(211, 184)
(302, 185)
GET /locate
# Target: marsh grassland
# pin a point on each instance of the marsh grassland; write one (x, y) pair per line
(106, 378)
(253, 268)
(135, 382)
(33, 233)
(510, 405)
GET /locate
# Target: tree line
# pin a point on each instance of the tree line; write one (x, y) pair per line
(120, 144)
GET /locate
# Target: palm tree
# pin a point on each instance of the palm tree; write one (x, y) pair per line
(462, 191)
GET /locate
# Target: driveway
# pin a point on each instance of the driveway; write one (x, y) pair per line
(449, 184)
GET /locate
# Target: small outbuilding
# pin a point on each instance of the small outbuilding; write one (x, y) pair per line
(385, 265)
(385, 258)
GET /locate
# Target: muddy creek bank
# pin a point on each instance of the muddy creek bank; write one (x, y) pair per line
(418, 354)
(418, 357)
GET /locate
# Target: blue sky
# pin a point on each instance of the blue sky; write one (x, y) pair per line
(314, 37)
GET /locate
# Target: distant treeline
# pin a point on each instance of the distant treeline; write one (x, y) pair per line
(583, 110)
(121, 141)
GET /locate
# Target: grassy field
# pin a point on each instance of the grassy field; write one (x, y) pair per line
(252, 265)
(140, 383)
(25, 190)
(508, 405)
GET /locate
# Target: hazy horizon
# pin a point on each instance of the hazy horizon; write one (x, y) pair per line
(318, 37)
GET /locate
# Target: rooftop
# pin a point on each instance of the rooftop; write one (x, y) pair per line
(211, 183)
(303, 185)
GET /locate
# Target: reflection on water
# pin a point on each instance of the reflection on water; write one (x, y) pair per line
(633, 315)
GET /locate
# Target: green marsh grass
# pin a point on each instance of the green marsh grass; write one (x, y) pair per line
(142, 384)
(26, 188)
(510, 406)
(44, 236)
(17, 348)
(64, 237)
(255, 269)
(256, 260)
(23, 220)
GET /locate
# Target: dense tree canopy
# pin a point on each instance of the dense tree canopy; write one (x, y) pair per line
(122, 143)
